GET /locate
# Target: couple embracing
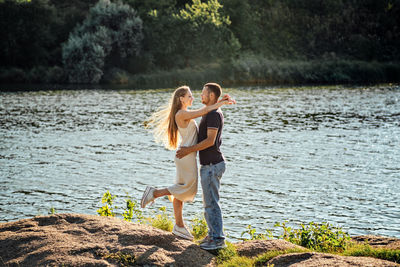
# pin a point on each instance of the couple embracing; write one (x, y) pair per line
(176, 122)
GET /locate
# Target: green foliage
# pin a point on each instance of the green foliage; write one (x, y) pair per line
(320, 237)
(133, 212)
(315, 29)
(253, 235)
(107, 209)
(86, 40)
(123, 259)
(208, 32)
(161, 221)
(261, 71)
(116, 76)
(26, 32)
(237, 261)
(182, 36)
(227, 253)
(111, 30)
(132, 208)
(199, 227)
(261, 260)
(365, 250)
(52, 210)
(13, 75)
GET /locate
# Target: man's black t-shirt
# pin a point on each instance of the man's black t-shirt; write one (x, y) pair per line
(212, 154)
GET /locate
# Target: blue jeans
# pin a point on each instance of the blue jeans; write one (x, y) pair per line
(210, 182)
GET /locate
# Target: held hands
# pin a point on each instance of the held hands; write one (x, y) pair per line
(227, 100)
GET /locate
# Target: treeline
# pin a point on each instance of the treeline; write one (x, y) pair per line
(257, 41)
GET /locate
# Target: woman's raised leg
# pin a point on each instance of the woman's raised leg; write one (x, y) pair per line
(161, 192)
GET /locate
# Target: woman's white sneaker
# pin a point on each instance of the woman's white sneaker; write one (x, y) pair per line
(148, 196)
(182, 232)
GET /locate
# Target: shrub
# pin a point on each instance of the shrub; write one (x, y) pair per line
(55, 74)
(320, 237)
(13, 75)
(252, 233)
(107, 209)
(116, 76)
(37, 74)
(83, 58)
(199, 227)
(111, 29)
(132, 208)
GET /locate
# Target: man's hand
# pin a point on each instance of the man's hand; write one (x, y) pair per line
(183, 151)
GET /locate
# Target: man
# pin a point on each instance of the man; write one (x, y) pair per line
(212, 165)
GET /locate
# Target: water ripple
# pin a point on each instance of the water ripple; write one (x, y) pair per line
(299, 154)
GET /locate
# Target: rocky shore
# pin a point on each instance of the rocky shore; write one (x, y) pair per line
(89, 240)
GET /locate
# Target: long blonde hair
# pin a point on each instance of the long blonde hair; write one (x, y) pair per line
(163, 122)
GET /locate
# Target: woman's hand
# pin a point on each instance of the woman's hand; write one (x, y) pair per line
(227, 100)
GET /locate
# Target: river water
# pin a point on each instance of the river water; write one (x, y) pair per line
(322, 154)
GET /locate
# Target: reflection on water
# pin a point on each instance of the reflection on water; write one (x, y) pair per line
(299, 154)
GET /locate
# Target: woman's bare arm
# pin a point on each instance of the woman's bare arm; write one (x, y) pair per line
(184, 115)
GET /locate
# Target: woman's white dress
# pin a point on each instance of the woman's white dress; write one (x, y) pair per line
(185, 187)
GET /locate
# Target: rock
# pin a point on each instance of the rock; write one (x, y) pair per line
(89, 240)
(256, 247)
(378, 241)
(313, 259)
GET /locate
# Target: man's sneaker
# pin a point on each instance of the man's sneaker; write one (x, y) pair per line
(204, 240)
(212, 244)
(182, 232)
(148, 196)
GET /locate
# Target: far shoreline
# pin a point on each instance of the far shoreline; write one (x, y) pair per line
(37, 87)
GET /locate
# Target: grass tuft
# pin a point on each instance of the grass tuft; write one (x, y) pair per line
(262, 259)
(161, 221)
(237, 261)
(123, 259)
(365, 250)
(227, 253)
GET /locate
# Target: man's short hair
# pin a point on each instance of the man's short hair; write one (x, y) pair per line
(214, 88)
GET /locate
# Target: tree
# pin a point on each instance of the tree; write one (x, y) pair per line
(205, 33)
(25, 29)
(110, 30)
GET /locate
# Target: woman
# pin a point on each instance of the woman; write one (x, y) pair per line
(167, 123)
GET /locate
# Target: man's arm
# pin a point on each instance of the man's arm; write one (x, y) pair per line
(206, 143)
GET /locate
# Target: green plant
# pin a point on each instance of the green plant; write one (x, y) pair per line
(112, 30)
(237, 261)
(161, 221)
(132, 208)
(320, 237)
(107, 209)
(365, 250)
(52, 210)
(123, 259)
(199, 227)
(252, 232)
(261, 260)
(227, 253)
